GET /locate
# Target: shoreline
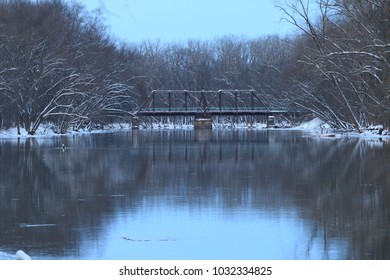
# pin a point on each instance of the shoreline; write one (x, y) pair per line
(315, 128)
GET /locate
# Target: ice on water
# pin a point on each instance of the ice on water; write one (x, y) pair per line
(19, 255)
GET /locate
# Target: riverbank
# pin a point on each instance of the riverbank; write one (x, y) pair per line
(319, 128)
(47, 130)
(315, 127)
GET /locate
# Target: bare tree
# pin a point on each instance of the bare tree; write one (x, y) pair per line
(348, 66)
(56, 59)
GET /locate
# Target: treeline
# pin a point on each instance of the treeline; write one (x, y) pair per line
(343, 60)
(58, 64)
(224, 63)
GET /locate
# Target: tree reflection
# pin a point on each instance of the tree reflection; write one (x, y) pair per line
(341, 186)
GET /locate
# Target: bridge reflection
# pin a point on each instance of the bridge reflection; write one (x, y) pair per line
(206, 145)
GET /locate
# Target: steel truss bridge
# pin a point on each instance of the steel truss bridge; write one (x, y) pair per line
(207, 103)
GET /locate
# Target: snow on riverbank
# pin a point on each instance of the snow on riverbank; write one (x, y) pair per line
(13, 133)
(315, 127)
(320, 128)
(47, 130)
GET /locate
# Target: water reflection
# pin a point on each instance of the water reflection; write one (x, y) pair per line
(195, 195)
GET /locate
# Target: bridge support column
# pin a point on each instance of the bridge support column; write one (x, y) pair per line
(270, 122)
(203, 121)
(135, 123)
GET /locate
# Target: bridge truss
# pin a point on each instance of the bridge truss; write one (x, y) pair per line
(206, 102)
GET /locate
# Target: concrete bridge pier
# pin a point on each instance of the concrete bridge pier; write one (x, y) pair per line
(270, 122)
(203, 120)
(135, 122)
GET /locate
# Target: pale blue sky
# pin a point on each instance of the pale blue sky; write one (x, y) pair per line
(181, 20)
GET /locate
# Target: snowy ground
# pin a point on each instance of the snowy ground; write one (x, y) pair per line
(315, 127)
(46, 130)
(319, 128)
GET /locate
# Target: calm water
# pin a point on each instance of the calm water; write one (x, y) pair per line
(195, 195)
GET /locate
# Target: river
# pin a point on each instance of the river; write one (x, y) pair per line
(185, 194)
